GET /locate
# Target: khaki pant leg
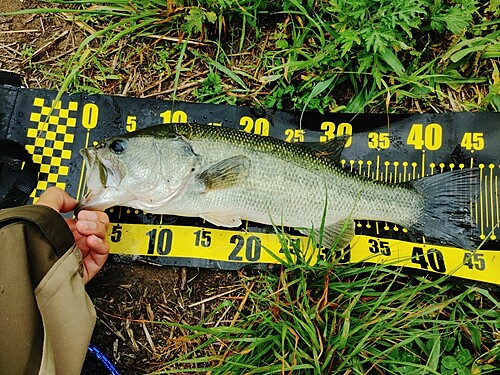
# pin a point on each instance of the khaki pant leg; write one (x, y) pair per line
(21, 328)
(46, 317)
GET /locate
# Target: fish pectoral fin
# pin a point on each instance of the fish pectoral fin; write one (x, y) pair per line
(222, 219)
(225, 173)
(339, 234)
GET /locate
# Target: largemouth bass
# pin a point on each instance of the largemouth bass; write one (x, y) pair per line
(225, 176)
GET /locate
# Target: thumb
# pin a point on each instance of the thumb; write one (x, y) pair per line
(57, 199)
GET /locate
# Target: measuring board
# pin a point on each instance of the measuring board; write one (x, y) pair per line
(390, 148)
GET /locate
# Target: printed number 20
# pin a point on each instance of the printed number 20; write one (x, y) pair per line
(252, 248)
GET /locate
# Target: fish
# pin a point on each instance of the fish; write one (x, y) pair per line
(225, 175)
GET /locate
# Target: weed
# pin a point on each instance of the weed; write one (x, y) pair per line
(334, 318)
(381, 54)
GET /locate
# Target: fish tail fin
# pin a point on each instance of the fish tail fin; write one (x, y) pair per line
(449, 200)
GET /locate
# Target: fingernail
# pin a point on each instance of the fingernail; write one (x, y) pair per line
(88, 215)
(89, 224)
(97, 239)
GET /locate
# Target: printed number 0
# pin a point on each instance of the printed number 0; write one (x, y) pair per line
(90, 115)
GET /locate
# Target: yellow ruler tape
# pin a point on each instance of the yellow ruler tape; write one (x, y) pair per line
(263, 248)
(55, 130)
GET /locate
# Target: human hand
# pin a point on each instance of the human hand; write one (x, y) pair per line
(89, 230)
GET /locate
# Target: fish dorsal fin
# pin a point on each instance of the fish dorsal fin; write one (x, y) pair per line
(225, 173)
(332, 149)
(339, 234)
(222, 219)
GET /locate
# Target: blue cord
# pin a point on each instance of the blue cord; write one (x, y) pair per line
(104, 360)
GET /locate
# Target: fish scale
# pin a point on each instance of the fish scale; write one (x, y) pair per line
(305, 184)
(224, 176)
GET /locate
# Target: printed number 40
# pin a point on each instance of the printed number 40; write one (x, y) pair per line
(428, 137)
(433, 258)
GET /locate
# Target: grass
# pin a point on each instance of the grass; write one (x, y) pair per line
(332, 55)
(354, 56)
(347, 319)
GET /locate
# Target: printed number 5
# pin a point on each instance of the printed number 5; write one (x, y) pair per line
(131, 123)
(116, 233)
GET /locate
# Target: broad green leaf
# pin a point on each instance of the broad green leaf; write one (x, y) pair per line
(449, 362)
(391, 59)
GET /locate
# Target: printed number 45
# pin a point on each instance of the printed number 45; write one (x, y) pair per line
(474, 260)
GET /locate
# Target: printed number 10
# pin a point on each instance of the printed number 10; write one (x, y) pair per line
(170, 117)
(162, 244)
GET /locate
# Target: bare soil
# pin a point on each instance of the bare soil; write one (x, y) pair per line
(128, 297)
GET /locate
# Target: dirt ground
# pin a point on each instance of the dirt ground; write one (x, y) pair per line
(126, 296)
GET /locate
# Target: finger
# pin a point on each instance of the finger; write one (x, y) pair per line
(72, 227)
(92, 222)
(95, 259)
(97, 216)
(57, 199)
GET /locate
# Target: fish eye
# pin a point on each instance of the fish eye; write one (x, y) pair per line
(187, 149)
(118, 146)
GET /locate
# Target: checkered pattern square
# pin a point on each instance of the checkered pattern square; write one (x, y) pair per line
(51, 141)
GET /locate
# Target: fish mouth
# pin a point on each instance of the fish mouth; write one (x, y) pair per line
(96, 179)
(91, 162)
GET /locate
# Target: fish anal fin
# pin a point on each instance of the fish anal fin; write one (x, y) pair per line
(226, 173)
(222, 219)
(338, 235)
